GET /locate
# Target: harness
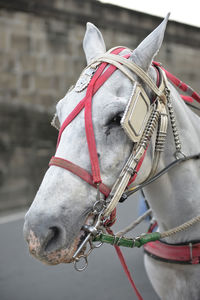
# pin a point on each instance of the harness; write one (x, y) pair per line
(140, 120)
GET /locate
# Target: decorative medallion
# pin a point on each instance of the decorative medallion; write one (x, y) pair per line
(84, 79)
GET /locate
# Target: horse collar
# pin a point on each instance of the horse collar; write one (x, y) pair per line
(183, 253)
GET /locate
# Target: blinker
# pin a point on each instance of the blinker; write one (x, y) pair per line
(137, 113)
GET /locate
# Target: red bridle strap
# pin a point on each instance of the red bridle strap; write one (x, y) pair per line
(96, 82)
(80, 172)
(181, 85)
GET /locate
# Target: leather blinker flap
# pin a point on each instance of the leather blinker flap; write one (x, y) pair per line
(137, 113)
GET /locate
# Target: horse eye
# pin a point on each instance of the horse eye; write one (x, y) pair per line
(116, 120)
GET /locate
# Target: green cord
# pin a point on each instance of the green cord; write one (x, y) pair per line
(127, 242)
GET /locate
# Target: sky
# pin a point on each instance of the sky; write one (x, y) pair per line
(182, 11)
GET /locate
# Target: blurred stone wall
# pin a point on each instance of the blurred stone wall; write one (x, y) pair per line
(41, 56)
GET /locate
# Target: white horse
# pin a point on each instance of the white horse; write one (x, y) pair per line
(62, 204)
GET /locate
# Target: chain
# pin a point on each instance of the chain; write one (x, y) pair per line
(174, 126)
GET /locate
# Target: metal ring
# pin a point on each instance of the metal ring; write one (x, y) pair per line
(77, 260)
(94, 245)
(96, 209)
(117, 240)
(97, 245)
(117, 243)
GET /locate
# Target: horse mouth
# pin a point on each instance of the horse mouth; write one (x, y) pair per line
(61, 255)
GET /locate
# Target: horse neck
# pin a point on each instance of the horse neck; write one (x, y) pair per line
(174, 197)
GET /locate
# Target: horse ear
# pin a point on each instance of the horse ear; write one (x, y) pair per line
(150, 46)
(93, 43)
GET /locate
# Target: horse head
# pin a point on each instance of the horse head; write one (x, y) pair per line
(63, 203)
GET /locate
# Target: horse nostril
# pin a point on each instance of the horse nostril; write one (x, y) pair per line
(53, 239)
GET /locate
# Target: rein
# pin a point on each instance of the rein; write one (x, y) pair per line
(154, 116)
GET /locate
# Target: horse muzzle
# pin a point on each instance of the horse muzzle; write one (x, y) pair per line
(51, 244)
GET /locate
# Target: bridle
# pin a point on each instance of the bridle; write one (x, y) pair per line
(152, 114)
(141, 118)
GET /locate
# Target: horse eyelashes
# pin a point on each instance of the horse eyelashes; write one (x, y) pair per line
(115, 121)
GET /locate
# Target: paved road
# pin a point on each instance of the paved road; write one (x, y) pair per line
(24, 278)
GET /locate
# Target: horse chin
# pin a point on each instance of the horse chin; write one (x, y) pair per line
(63, 255)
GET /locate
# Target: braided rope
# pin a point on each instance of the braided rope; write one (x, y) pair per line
(162, 235)
(132, 225)
(180, 228)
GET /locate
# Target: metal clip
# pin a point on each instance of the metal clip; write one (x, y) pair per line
(191, 254)
(98, 207)
(179, 154)
(130, 170)
(98, 192)
(91, 229)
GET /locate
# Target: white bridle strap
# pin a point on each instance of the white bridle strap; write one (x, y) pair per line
(120, 62)
(123, 180)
